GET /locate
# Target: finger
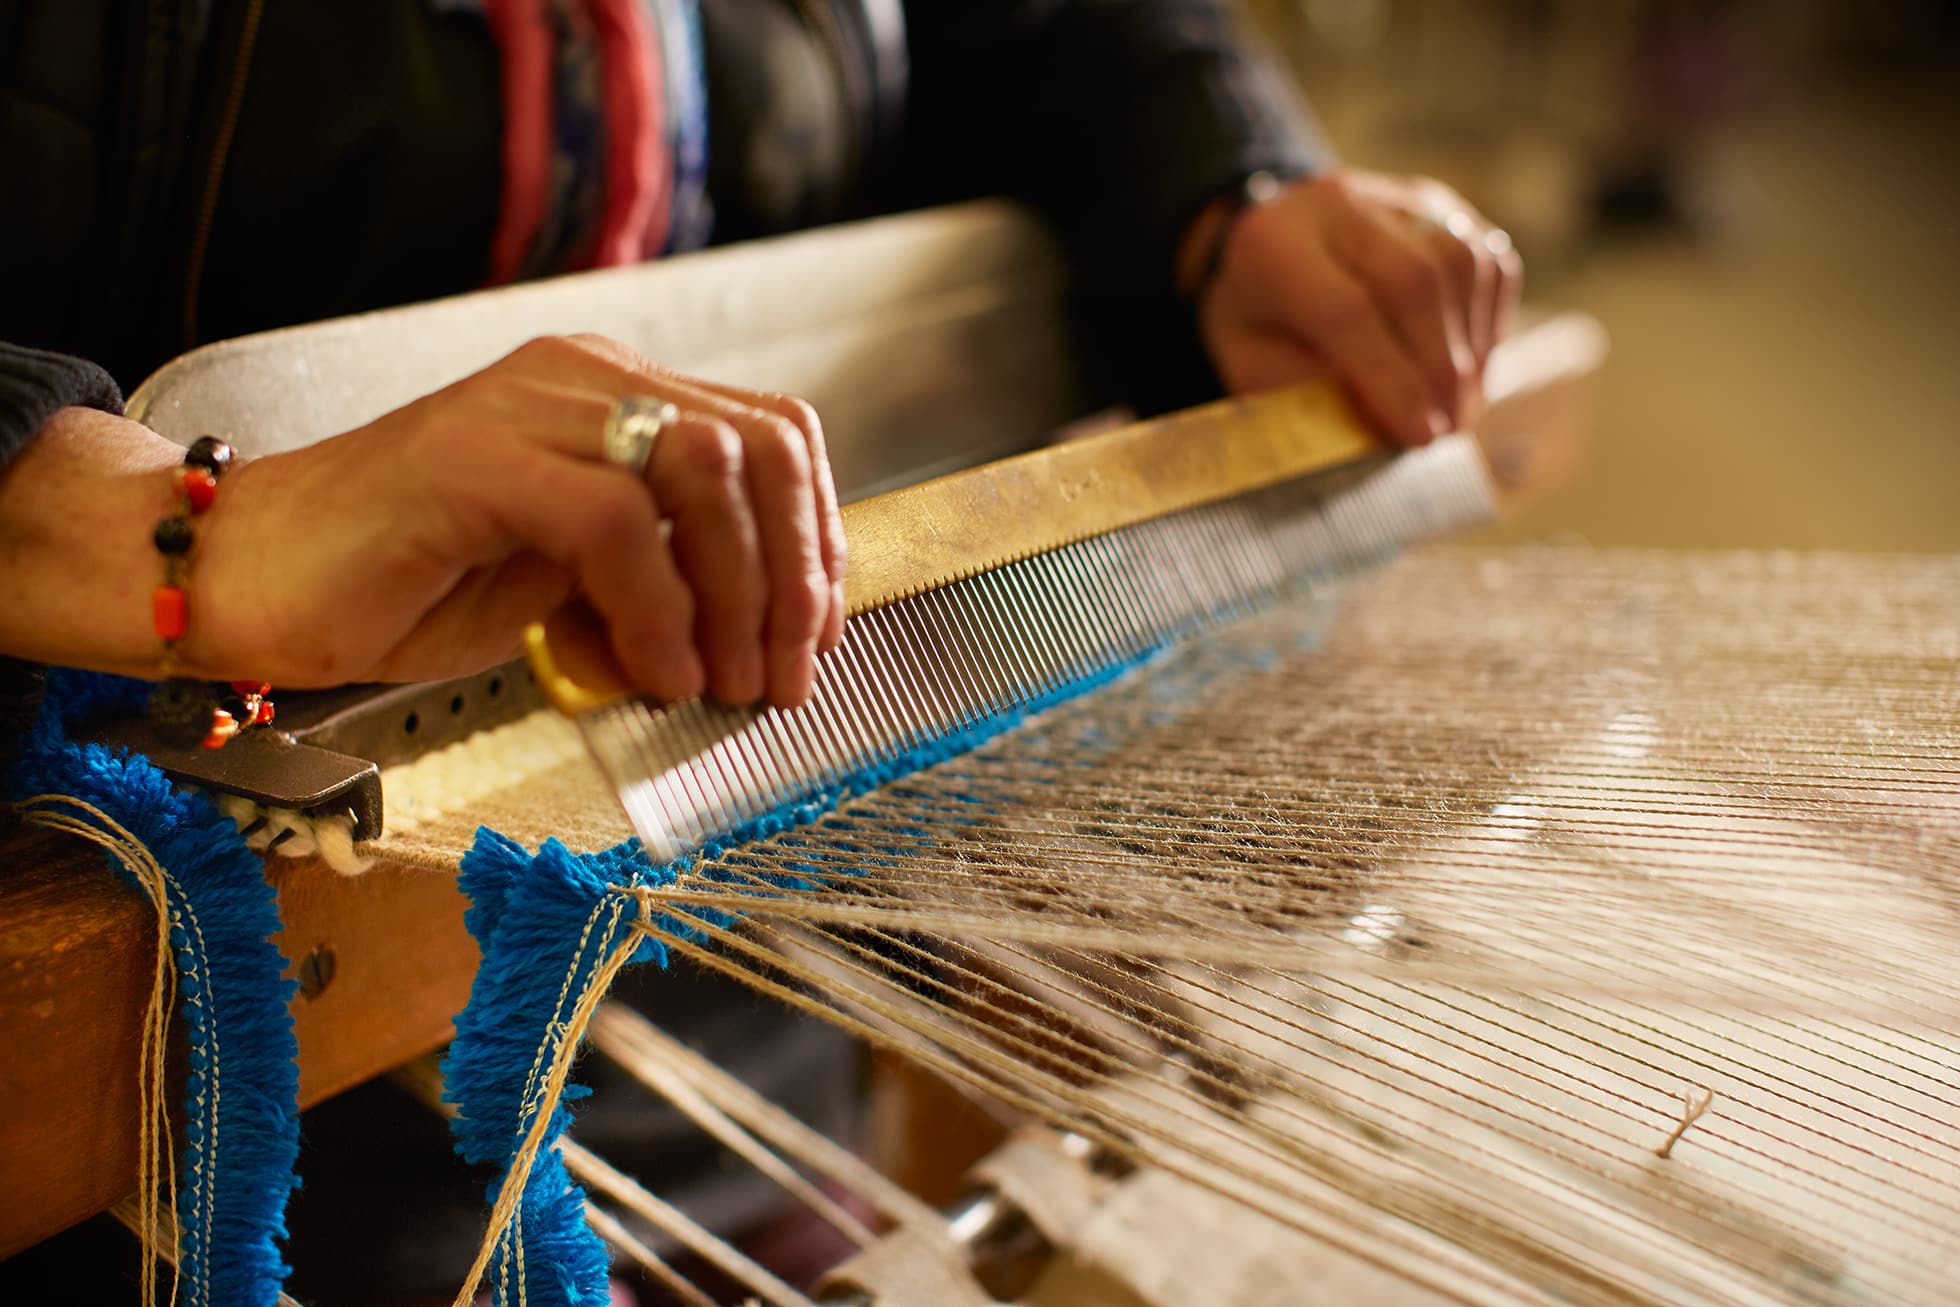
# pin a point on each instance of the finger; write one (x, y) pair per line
(1405, 275)
(833, 622)
(611, 539)
(803, 416)
(776, 463)
(789, 529)
(1509, 285)
(828, 524)
(1483, 298)
(1457, 242)
(697, 476)
(782, 501)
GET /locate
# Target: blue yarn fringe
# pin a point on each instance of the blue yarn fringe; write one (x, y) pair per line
(241, 1093)
(545, 923)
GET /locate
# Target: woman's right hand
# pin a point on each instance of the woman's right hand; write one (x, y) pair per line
(420, 545)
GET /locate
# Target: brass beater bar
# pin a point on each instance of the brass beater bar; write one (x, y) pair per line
(926, 536)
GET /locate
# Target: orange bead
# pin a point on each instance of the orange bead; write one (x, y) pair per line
(199, 486)
(170, 611)
(223, 727)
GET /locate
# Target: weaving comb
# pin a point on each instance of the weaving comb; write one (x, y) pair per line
(979, 595)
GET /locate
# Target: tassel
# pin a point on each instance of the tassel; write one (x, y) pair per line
(241, 1127)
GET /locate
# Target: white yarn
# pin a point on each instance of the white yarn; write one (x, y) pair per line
(448, 780)
(293, 834)
(462, 775)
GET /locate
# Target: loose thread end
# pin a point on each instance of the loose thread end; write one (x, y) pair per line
(1693, 1102)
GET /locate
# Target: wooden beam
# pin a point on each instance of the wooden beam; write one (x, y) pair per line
(75, 957)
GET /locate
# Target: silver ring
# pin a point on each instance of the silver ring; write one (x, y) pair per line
(632, 427)
(1448, 218)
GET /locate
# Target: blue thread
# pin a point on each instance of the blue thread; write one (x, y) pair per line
(241, 1093)
(541, 919)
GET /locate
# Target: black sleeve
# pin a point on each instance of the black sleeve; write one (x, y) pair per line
(34, 383)
(1117, 119)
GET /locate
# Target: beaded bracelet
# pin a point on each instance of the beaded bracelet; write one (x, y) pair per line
(186, 713)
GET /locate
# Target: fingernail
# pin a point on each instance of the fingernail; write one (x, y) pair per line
(746, 677)
(793, 675)
(834, 635)
(686, 678)
(1439, 424)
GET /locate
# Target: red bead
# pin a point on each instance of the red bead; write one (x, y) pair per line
(199, 486)
(223, 727)
(170, 611)
(261, 713)
(251, 689)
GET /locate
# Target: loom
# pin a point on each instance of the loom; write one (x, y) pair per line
(1539, 925)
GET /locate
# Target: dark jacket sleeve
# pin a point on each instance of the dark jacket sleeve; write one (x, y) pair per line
(1119, 119)
(34, 383)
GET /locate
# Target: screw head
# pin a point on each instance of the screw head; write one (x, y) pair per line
(316, 971)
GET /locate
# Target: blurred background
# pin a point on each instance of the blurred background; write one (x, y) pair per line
(1760, 199)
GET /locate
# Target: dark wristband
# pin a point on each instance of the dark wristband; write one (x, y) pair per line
(1250, 192)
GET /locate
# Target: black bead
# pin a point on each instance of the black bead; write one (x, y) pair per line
(209, 453)
(173, 536)
(180, 712)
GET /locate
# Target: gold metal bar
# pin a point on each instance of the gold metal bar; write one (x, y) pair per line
(929, 535)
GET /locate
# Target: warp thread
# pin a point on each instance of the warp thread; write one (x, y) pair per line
(554, 929)
(241, 1090)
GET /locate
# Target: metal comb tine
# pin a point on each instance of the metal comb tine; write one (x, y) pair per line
(1139, 555)
(710, 784)
(1023, 666)
(675, 730)
(826, 719)
(711, 764)
(852, 716)
(928, 709)
(982, 640)
(952, 662)
(1068, 579)
(722, 760)
(1018, 667)
(898, 623)
(1168, 545)
(1090, 604)
(690, 799)
(874, 729)
(1137, 591)
(1056, 613)
(797, 731)
(1101, 604)
(1013, 583)
(754, 752)
(792, 751)
(948, 661)
(1221, 592)
(903, 726)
